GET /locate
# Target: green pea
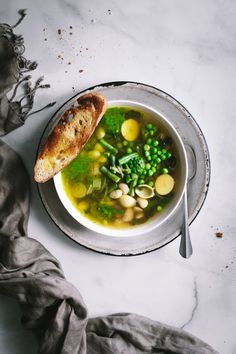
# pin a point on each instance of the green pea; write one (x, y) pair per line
(129, 150)
(154, 170)
(151, 183)
(158, 160)
(149, 141)
(163, 157)
(146, 153)
(168, 154)
(144, 172)
(119, 145)
(149, 158)
(125, 143)
(152, 132)
(134, 176)
(165, 170)
(155, 143)
(150, 173)
(141, 181)
(159, 152)
(149, 126)
(159, 208)
(146, 147)
(164, 151)
(147, 166)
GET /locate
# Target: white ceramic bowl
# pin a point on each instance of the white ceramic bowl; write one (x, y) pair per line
(153, 222)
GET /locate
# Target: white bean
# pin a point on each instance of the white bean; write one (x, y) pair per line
(137, 210)
(128, 215)
(124, 187)
(116, 194)
(139, 215)
(127, 201)
(143, 203)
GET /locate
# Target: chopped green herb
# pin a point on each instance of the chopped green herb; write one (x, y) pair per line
(113, 119)
(108, 212)
(80, 166)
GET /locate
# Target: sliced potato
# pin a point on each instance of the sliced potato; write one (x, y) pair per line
(130, 129)
(164, 184)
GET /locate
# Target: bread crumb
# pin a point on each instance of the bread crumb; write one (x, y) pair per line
(59, 31)
(80, 71)
(219, 234)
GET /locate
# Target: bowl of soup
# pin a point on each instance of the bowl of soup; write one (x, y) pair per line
(130, 176)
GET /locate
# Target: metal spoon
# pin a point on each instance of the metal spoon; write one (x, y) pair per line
(185, 248)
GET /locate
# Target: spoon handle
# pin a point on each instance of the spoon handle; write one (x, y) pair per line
(185, 248)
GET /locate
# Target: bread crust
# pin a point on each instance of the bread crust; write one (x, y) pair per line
(69, 136)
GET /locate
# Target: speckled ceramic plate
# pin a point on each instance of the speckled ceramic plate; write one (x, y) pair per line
(191, 135)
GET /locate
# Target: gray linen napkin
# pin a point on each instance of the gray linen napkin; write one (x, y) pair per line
(52, 307)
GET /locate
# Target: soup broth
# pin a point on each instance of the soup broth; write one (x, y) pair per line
(126, 173)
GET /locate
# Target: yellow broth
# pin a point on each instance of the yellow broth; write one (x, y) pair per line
(89, 188)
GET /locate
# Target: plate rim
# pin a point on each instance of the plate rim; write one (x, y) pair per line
(120, 83)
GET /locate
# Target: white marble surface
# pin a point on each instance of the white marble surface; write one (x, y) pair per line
(188, 49)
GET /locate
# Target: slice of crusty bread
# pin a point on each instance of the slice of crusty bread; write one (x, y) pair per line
(69, 136)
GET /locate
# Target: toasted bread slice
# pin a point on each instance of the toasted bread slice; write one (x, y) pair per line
(69, 136)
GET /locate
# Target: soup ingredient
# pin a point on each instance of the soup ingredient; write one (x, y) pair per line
(138, 209)
(94, 154)
(139, 214)
(80, 166)
(113, 119)
(130, 129)
(108, 147)
(83, 205)
(69, 136)
(108, 212)
(164, 184)
(109, 174)
(79, 190)
(137, 165)
(102, 159)
(116, 194)
(128, 215)
(124, 187)
(143, 203)
(99, 147)
(127, 201)
(144, 191)
(159, 208)
(125, 159)
(100, 133)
